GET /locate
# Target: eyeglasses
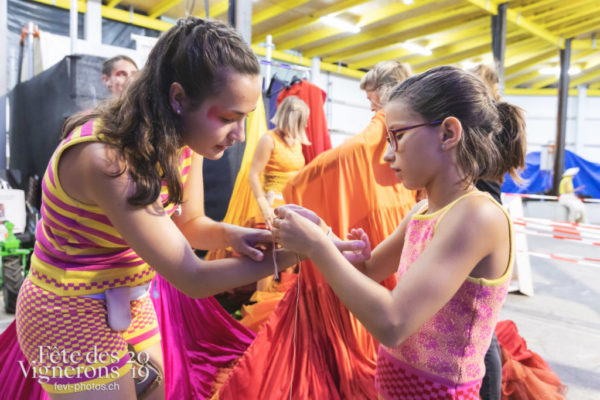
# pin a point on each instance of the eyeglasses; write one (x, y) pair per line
(393, 134)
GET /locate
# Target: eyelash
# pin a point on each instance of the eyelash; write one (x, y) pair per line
(227, 121)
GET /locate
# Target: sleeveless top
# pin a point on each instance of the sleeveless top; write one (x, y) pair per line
(452, 344)
(284, 163)
(78, 251)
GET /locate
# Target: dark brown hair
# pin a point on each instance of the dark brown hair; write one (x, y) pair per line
(493, 140)
(107, 66)
(197, 53)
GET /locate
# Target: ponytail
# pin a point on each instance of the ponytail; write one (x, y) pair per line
(511, 141)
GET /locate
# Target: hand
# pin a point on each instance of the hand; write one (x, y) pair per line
(306, 213)
(358, 247)
(266, 211)
(295, 232)
(244, 240)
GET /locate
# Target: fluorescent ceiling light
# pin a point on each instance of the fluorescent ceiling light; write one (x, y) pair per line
(415, 48)
(467, 64)
(556, 71)
(340, 24)
(408, 2)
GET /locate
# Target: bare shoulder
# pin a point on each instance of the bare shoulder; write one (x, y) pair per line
(478, 215)
(89, 166)
(266, 141)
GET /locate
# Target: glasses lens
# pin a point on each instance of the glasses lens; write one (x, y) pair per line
(391, 139)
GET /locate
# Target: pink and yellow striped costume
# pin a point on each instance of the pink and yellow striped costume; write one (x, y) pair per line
(79, 253)
(444, 359)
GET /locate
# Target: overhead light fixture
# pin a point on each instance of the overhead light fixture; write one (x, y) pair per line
(415, 48)
(468, 64)
(556, 71)
(408, 2)
(339, 24)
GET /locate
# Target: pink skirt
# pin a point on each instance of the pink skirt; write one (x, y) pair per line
(396, 380)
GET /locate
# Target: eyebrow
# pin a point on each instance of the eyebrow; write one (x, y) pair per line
(241, 113)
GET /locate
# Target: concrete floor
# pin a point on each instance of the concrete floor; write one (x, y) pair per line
(561, 322)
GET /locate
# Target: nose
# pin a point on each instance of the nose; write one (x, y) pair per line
(238, 132)
(389, 155)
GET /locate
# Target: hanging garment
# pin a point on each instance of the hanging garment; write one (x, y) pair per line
(331, 355)
(270, 99)
(316, 131)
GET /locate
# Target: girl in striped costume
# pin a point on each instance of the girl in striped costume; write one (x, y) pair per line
(109, 192)
(452, 253)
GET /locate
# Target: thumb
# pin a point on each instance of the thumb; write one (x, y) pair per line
(253, 253)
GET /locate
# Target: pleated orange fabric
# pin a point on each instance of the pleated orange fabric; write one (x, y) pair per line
(525, 374)
(331, 355)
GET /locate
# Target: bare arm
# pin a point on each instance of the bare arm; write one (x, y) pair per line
(263, 152)
(204, 233)
(152, 234)
(454, 252)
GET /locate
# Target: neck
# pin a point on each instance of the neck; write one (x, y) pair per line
(444, 190)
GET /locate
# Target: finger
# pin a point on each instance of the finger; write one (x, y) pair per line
(280, 211)
(259, 236)
(253, 253)
(352, 245)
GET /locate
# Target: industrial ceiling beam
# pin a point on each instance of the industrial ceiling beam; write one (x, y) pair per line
(585, 78)
(293, 59)
(280, 8)
(391, 33)
(307, 20)
(369, 18)
(590, 64)
(530, 62)
(561, 9)
(442, 40)
(586, 26)
(160, 8)
(516, 81)
(522, 22)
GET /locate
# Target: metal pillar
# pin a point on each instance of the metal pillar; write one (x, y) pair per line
(3, 79)
(581, 100)
(499, 42)
(561, 118)
(73, 26)
(240, 16)
(93, 22)
(3, 47)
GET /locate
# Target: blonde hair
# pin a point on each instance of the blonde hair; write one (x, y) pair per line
(384, 76)
(489, 76)
(291, 118)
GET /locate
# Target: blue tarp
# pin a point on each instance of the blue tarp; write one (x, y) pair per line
(537, 181)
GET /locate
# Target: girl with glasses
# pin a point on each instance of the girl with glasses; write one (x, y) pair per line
(452, 253)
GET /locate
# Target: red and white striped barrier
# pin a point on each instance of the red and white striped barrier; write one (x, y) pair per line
(550, 235)
(546, 197)
(592, 262)
(589, 234)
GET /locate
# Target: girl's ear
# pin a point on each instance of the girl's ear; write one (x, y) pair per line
(451, 133)
(177, 97)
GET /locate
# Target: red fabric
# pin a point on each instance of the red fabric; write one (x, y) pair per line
(348, 186)
(317, 132)
(525, 375)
